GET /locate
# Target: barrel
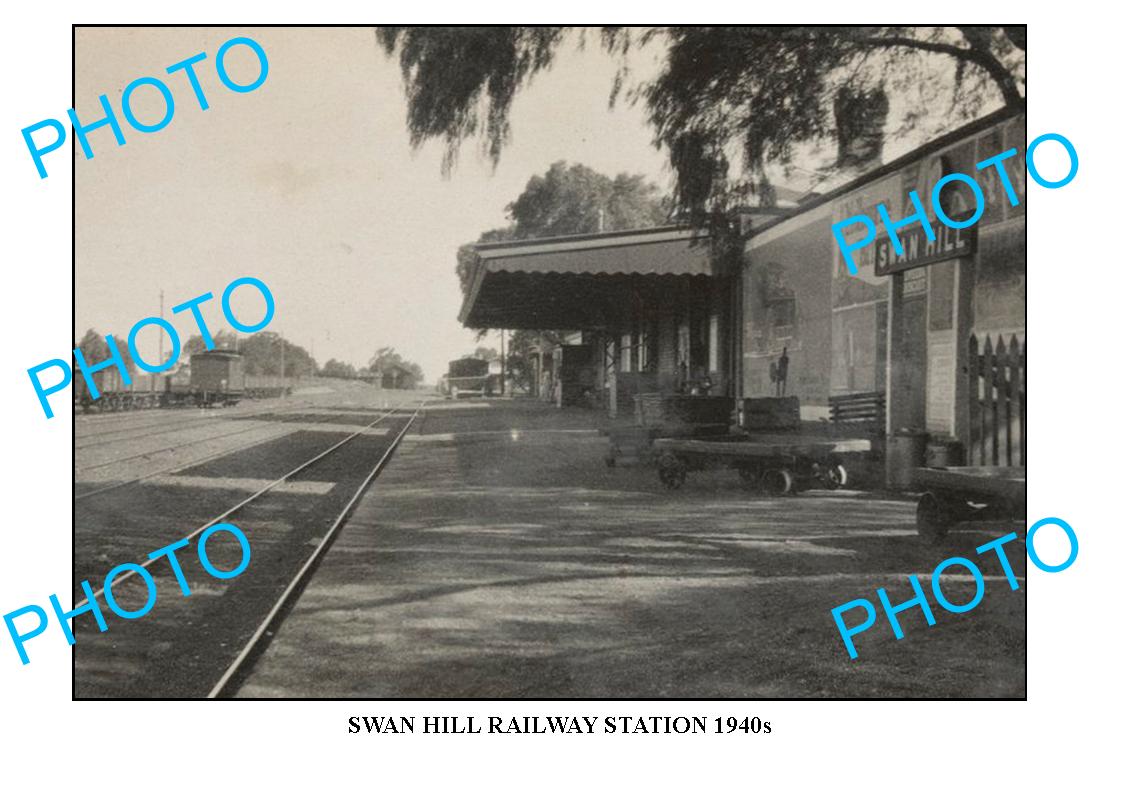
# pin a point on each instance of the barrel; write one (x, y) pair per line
(904, 452)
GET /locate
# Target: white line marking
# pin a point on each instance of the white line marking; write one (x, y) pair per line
(242, 484)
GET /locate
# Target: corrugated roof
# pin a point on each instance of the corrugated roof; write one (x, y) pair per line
(528, 281)
(664, 251)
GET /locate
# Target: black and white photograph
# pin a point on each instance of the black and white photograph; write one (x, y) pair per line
(441, 400)
(526, 362)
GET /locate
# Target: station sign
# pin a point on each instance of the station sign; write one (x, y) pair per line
(919, 251)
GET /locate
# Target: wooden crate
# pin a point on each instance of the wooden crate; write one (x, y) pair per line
(770, 414)
(662, 409)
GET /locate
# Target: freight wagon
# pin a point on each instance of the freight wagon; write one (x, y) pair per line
(147, 391)
(212, 377)
(218, 377)
(269, 386)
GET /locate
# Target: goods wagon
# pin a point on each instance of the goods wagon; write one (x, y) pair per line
(210, 378)
(217, 377)
(147, 391)
(269, 386)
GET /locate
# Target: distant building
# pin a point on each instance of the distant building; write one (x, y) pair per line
(395, 377)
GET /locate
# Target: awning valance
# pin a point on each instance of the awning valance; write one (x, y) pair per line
(580, 281)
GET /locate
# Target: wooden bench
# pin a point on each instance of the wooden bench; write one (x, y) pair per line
(859, 414)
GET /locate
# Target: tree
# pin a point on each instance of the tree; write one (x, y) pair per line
(566, 200)
(383, 358)
(95, 349)
(224, 339)
(571, 200)
(728, 101)
(386, 357)
(263, 353)
(335, 369)
(466, 254)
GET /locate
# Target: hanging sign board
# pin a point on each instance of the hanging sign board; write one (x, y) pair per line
(919, 251)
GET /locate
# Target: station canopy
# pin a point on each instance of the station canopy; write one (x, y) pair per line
(579, 281)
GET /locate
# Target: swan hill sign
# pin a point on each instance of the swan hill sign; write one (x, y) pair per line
(917, 250)
(898, 252)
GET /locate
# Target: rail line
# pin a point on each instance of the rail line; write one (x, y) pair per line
(120, 421)
(177, 446)
(167, 429)
(182, 466)
(265, 489)
(185, 465)
(257, 642)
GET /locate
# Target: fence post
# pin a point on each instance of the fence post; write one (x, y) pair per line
(1017, 405)
(1002, 404)
(974, 432)
(987, 373)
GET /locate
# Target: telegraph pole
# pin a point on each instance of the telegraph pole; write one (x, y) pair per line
(161, 359)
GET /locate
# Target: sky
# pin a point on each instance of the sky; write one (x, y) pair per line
(309, 184)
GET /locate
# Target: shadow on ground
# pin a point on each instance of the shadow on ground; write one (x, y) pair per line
(517, 565)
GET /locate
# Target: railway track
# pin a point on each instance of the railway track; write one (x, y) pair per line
(287, 418)
(179, 466)
(97, 437)
(203, 644)
(242, 665)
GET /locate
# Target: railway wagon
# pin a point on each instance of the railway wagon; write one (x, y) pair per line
(146, 391)
(211, 378)
(269, 386)
(218, 377)
(467, 377)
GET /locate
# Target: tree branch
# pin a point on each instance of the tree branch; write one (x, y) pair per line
(984, 59)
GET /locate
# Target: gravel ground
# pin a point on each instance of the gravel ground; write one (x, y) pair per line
(497, 557)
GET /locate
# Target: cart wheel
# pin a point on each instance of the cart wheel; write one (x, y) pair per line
(833, 476)
(672, 471)
(777, 482)
(932, 520)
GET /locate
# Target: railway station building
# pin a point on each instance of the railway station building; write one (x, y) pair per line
(935, 340)
(937, 334)
(641, 311)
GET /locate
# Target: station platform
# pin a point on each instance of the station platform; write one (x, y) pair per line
(497, 557)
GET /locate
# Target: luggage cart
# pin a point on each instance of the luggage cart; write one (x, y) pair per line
(634, 442)
(778, 464)
(958, 494)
